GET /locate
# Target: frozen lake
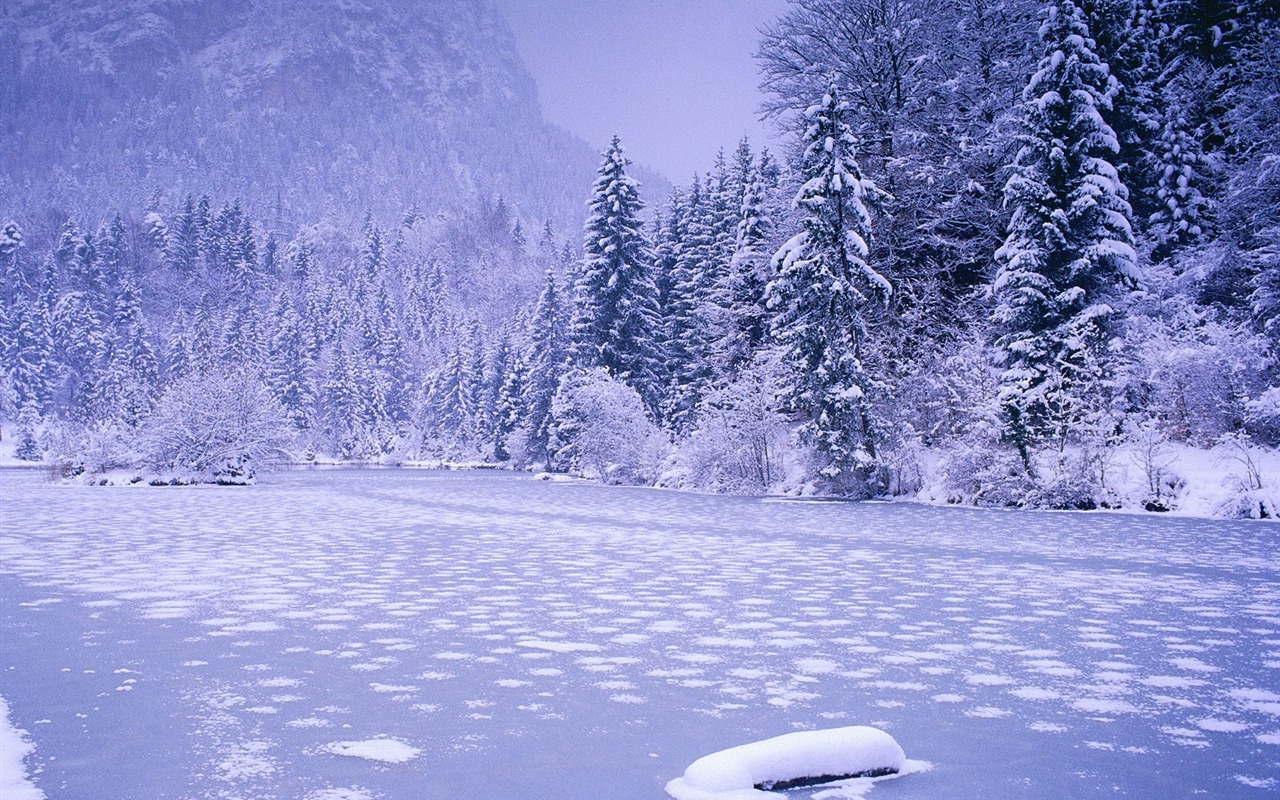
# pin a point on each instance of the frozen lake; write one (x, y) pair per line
(541, 640)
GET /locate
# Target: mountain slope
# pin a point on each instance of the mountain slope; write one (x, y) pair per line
(298, 107)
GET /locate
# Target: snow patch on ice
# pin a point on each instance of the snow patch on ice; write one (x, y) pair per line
(560, 647)
(389, 751)
(1099, 705)
(352, 793)
(14, 748)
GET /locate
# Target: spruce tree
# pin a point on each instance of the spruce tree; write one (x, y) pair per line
(686, 328)
(748, 275)
(11, 243)
(820, 293)
(616, 315)
(30, 369)
(288, 367)
(126, 391)
(79, 337)
(547, 363)
(1069, 245)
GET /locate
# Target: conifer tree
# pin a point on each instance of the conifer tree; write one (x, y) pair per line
(547, 363)
(178, 348)
(126, 391)
(820, 293)
(615, 316)
(686, 328)
(288, 368)
(1069, 244)
(11, 243)
(30, 370)
(748, 275)
(182, 245)
(79, 336)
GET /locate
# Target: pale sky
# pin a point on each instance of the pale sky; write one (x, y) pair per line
(676, 79)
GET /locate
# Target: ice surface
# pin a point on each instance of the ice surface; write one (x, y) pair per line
(1024, 654)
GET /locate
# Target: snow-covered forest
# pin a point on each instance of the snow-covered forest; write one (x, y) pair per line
(1013, 254)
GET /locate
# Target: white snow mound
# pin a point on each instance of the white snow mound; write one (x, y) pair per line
(804, 758)
(390, 751)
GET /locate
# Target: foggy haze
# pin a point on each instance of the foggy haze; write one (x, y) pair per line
(677, 80)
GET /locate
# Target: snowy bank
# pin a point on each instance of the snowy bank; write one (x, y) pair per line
(1231, 480)
(805, 758)
(14, 747)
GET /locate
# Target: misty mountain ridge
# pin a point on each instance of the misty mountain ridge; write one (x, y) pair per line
(301, 109)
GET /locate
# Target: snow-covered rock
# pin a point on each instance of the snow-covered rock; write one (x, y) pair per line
(804, 758)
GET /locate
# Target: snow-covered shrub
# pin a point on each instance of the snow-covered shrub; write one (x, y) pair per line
(1149, 449)
(738, 443)
(519, 447)
(1190, 370)
(951, 396)
(1264, 415)
(900, 454)
(1250, 497)
(600, 429)
(1072, 478)
(987, 473)
(218, 426)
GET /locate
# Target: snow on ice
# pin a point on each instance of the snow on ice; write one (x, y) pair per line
(548, 637)
(790, 760)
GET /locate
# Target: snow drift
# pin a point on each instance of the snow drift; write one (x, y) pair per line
(804, 758)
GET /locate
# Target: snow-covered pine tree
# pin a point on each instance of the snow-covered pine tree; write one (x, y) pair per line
(243, 340)
(113, 252)
(547, 362)
(748, 275)
(206, 336)
(288, 369)
(182, 244)
(27, 443)
(822, 286)
(30, 364)
(1253, 194)
(669, 243)
(178, 348)
(1069, 249)
(1184, 213)
(79, 337)
(1165, 96)
(615, 319)
(714, 307)
(498, 364)
(342, 404)
(126, 392)
(451, 401)
(11, 244)
(685, 326)
(373, 256)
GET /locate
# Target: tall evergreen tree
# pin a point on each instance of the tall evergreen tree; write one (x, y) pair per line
(288, 368)
(126, 391)
(1069, 245)
(547, 361)
(820, 293)
(747, 278)
(616, 313)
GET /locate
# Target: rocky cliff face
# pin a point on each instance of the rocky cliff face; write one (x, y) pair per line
(299, 107)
